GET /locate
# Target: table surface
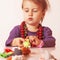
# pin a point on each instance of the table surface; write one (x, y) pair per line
(38, 53)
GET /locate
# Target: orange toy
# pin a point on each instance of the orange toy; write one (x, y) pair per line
(9, 58)
(25, 51)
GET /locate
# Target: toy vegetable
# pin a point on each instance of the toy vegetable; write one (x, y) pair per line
(8, 52)
(26, 43)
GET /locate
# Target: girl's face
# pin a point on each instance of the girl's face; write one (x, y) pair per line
(32, 12)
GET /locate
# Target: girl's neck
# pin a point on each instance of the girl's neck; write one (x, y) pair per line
(32, 28)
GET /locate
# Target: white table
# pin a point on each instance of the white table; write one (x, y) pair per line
(37, 53)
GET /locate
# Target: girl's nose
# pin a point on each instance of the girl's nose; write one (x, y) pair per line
(30, 13)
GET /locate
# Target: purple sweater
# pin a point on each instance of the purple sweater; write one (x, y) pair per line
(49, 40)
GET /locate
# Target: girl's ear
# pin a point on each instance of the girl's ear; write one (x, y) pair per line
(43, 14)
(42, 17)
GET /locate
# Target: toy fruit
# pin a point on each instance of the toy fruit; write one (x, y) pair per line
(25, 51)
(9, 58)
(17, 51)
(3, 55)
(8, 50)
(26, 43)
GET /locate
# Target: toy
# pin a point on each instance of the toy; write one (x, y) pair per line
(17, 51)
(26, 47)
(26, 51)
(8, 52)
(26, 43)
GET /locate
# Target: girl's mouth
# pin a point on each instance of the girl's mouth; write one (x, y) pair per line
(30, 19)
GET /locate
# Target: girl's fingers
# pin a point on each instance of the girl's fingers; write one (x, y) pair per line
(27, 37)
(36, 41)
(20, 43)
(21, 39)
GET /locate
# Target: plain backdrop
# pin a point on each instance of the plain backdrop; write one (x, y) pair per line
(11, 15)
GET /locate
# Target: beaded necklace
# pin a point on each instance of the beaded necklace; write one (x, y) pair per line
(23, 31)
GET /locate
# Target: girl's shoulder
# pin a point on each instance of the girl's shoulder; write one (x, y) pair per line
(47, 30)
(16, 27)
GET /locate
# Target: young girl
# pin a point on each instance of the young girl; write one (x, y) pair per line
(31, 28)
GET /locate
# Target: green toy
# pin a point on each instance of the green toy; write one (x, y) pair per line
(5, 55)
(26, 43)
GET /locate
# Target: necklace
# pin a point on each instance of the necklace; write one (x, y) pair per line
(23, 31)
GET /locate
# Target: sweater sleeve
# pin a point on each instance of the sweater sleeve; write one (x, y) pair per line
(49, 40)
(15, 32)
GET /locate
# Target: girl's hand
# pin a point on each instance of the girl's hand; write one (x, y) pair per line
(34, 41)
(17, 42)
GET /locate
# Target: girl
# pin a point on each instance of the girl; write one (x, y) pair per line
(31, 28)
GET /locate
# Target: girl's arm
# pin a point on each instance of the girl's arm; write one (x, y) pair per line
(15, 32)
(48, 40)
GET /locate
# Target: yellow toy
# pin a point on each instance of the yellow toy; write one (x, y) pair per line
(26, 43)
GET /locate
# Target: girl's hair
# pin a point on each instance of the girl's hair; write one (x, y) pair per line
(44, 4)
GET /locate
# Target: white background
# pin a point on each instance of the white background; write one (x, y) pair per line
(11, 15)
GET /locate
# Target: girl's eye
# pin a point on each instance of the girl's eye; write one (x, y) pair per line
(26, 10)
(35, 10)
